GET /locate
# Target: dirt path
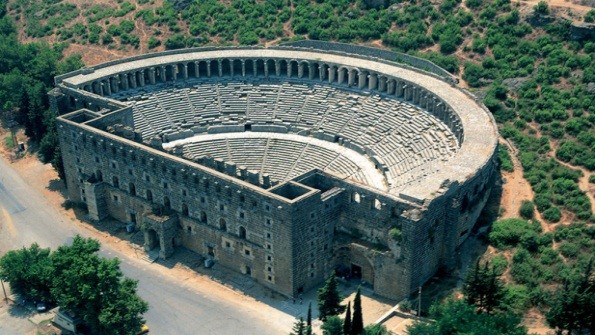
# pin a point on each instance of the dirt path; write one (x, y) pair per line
(516, 189)
(564, 4)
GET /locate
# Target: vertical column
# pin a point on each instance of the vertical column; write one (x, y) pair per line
(350, 77)
(300, 70)
(208, 62)
(372, 81)
(174, 72)
(243, 67)
(254, 68)
(382, 84)
(399, 89)
(289, 68)
(231, 67)
(331, 73)
(141, 78)
(162, 73)
(124, 81)
(278, 67)
(415, 94)
(361, 79)
(95, 88)
(113, 81)
(266, 68)
(321, 72)
(390, 89)
(220, 67)
(106, 87)
(432, 105)
(152, 75)
(341, 75)
(185, 71)
(311, 71)
(132, 78)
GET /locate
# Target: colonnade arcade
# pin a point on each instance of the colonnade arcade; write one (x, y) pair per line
(302, 69)
(289, 68)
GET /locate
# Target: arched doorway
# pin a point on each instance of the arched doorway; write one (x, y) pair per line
(152, 239)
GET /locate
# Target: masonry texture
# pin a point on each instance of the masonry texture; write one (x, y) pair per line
(282, 163)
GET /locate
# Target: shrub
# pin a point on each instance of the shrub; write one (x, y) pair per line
(509, 232)
(569, 249)
(516, 298)
(153, 42)
(499, 264)
(549, 256)
(552, 214)
(592, 179)
(395, 234)
(526, 210)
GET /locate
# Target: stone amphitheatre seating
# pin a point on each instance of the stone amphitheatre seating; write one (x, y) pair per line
(271, 156)
(405, 137)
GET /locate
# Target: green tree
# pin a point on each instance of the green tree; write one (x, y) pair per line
(357, 323)
(94, 287)
(527, 209)
(309, 320)
(456, 317)
(299, 327)
(329, 300)
(333, 325)
(483, 288)
(376, 329)
(573, 307)
(347, 321)
(29, 272)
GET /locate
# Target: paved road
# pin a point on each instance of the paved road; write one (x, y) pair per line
(175, 307)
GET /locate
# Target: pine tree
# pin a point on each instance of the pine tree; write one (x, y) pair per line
(483, 288)
(299, 327)
(357, 321)
(309, 320)
(329, 300)
(347, 321)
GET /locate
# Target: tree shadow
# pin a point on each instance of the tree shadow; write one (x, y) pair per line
(57, 185)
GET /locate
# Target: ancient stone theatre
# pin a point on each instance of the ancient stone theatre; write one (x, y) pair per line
(282, 163)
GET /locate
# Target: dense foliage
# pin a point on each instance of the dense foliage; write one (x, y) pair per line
(26, 75)
(456, 317)
(78, 280)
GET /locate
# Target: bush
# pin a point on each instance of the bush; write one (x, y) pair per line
(552, 214)
(153, 42)
(509, 232)
(569, 249)
(499, 264)
(504, 159)
(592, 179)
(395, 234)
(516, 298)
(526, 210)
(549, 256)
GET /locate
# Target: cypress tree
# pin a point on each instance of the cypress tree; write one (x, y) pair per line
(309, 320)
(357, 321)
(329, 300)
(299, 327)
(347, 321)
